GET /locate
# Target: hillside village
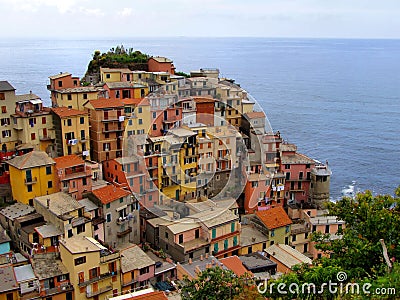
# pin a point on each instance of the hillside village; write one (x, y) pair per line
(128, 184)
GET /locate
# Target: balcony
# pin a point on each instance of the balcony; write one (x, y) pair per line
(97, 278)
(57, 290)
(29, 181)
(121, 221)
(98, 292)
(45, 138)
(124, 232)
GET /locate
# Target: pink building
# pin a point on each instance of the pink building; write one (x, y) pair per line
(165, 119)
(74, 177)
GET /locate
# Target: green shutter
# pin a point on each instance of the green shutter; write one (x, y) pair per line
(214, 233)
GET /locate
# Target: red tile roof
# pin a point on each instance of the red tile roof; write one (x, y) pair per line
(63, 112)
(106, 103)
(157, 295)
(110, 193)
(68, 161)
(135, 101)
(255, 115)
(274, 218)
(234, 264)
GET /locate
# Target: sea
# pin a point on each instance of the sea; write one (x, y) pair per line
(338, 100)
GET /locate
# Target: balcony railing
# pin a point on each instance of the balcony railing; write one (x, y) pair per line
(57, 290)
(29, 181)
(124, 232)
(98, 292)
(97, 278)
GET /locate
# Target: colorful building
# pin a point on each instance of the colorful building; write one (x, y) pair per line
(137, 268)
(121, 211)
(73, 176)
(275, 224)
(71, 132)
(32, 175)
(94, 270)
(125, 90)
(8, 138)
(8, 283)
(137, 116)
(53, 277)
(65, 213)
(33, 123)
(66, 91)
(160, 64)
(106, 128)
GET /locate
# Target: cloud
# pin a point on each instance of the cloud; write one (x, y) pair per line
(125, 12)
(92, 11)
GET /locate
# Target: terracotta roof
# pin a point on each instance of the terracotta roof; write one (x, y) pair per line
(64, 112)
(31, 160)
(156, 295)
(68, 161)
(255, 115)
(110, 193)
(106, 103)
(274, 218)
(135, 101)
(234, 264)
(203, 100)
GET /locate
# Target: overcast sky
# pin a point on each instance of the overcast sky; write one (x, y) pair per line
(218, 18)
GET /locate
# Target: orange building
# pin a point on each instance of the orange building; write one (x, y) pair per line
(74, 177)
(205, 110)
(160, 64)
(107, 128)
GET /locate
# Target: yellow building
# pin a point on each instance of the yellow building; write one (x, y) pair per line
(94, 270)
(115, 74)
(137, 116)
(252, 240)
(177, 165)
(32, 175)
(276, 224)
(33, 123)
(71, 132)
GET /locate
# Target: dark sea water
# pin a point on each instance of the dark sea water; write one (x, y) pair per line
(338, 100)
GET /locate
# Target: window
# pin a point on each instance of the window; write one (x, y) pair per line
(93, 273)
(294, 238)
(300, 175)
(177, 112)
(84, 181)
(106, 147)
(144, 270)
(29, 187)
(197, 234)
(82, 120)
(108, 75)
(108, 217)
(314, 228)
(250, 249)
(216, 247)
(287, 228)
(48, 170)
(59, 83)
(287, 166)
(180, 238)
(80, 260)
(326, 228)
(154, 115)
(287, 175)
(49, 184)
(214, 233)
(121, 200)
(226, 244)
(69, 97)
(273, 232)
(6, 133)
(140, 121)
(166, 235)
(33, 136)
(232, 227)
(69, 122)
(154, 126)
(84, 96)
(4, 109)
(235, 242)
(43, 120)
(2, 96)
(139, 110)
(80, 228)
(108, 205)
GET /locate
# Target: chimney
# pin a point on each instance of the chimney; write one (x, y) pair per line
(201, 257)
(48, 203)
(190, 261)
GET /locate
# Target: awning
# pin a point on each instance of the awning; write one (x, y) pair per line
(36, 101)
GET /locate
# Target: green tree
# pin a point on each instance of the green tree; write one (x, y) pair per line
(213, 284)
